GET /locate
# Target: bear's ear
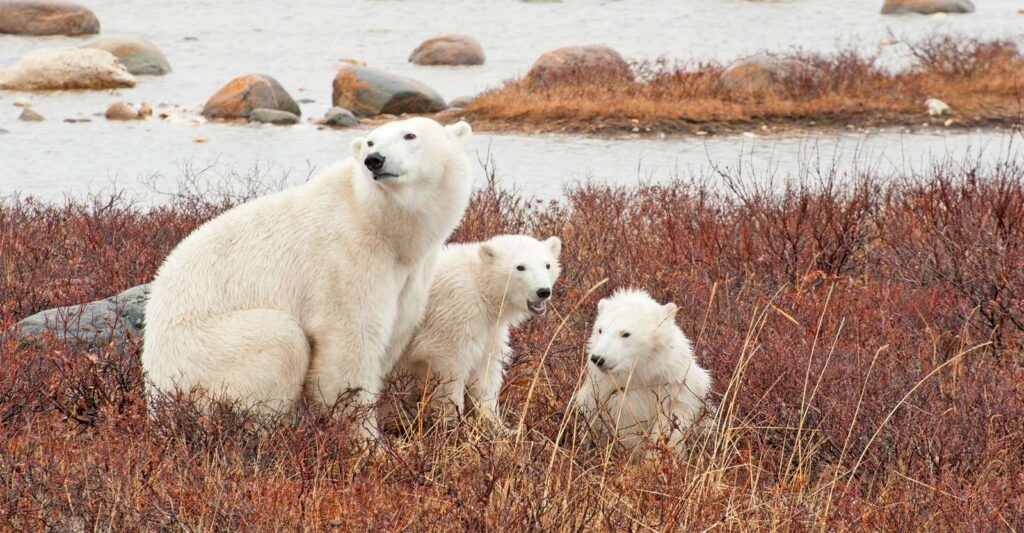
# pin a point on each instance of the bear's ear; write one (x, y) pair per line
(555, 245)
(488, 253)
(670, 310)
(602, 304)
(460, 131)
(357, 146)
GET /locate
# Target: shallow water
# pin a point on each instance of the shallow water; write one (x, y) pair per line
(300, 44)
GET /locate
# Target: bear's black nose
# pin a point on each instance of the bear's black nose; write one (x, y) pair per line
(374, 161)
(597, 360)
(544, 293)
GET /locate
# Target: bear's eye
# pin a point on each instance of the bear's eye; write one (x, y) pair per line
(625, 334)
(521, 268)
(410, 136)
(369, 144)
(548, 266)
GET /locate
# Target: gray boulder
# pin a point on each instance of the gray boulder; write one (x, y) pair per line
(27, 115)
(138, 56)
(96, 323)
(339, 117)
(46, 17)
(367, 91)
(926, 7)
(273, 116)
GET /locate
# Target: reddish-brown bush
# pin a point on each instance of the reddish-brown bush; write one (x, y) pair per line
(866, 341)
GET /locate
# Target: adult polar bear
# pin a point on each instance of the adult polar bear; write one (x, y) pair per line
(315, 288)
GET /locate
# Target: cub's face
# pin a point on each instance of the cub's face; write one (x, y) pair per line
(629, 328)
(527, 267)
(408, 151)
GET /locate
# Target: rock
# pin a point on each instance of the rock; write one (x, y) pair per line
(22, 102)
(121, 111)
(96, 323)
(572, 61)
(926, 7)
(243, 94)
(27, 115)
(273, 116)
(448, 50)
(339, 117)
(138, 56)
(936, 107)
(46, 17)
(367, 91)
(145, 111)
(765, 72)
(52, 69)
(461, 101)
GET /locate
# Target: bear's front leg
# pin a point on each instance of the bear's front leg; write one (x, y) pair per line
(346, 372)
(485, 385)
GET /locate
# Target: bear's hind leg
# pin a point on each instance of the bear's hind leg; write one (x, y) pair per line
(259, 358)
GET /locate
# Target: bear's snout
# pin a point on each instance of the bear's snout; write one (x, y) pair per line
(374, 161)
(544, 293)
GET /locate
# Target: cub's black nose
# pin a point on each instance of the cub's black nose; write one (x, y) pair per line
(544, 293)
(374, 161)
(597, 360)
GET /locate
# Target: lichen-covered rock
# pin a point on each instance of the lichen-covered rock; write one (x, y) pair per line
(367, 91)
(95, 323)
(926, 7)
(243, 94)
(448, 50)
(339, 117)
(595, 60)
(46, 17)
(138, 56)
(53, 69)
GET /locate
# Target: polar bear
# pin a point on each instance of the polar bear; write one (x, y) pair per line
(642, 381)
(479, 292)
(316, 288)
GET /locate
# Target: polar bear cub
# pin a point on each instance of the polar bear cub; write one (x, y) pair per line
(642, 381)
(314, 289)
(479, 292)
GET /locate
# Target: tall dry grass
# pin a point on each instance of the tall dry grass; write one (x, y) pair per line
(983, 82)
(865, 337)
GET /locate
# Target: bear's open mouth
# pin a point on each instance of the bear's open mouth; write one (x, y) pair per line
(384, 175)
(538, 308)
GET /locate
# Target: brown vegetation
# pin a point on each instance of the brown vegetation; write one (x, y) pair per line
(867, 343)
(983, 83)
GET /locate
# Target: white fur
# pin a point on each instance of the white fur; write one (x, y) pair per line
(314, 288)
(478, 294)
(650, 387)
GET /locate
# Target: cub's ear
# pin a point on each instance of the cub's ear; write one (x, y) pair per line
(670, 309)
(357, 146)
(460, 131)
(602, 304)
(488, 253)
(555, 245)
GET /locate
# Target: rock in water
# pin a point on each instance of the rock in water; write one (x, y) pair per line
(595, 60)
(367, 91)
(46, 17)
(95, 323)
(926, 7)
(53, 69)
(138, 56)
(339, 117)
(121, 111)
(448, 50)
(273, 116)
(243, 94)
(27, 115)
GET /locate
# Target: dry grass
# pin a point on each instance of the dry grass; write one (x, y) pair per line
(866, 341)
(983, 82)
